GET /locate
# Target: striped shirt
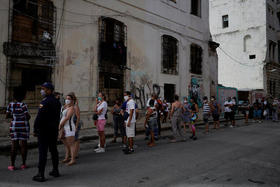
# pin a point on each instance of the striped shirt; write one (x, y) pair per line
(19, 128)
(206, 108)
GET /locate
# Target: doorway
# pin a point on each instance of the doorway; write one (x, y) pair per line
(169, 92)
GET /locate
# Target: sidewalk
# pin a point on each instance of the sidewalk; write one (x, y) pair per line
(91, 134)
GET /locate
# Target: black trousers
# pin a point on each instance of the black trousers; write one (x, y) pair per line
(47, 143)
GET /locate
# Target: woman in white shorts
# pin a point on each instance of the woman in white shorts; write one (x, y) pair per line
(67, 124)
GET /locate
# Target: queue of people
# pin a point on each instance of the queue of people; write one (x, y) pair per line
(261, 109)
(55, 122)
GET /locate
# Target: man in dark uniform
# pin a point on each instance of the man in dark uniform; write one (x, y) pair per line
(46, 129)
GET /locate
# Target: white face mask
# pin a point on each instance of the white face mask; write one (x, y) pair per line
(43, 93)
(125, 98)
(67, 101)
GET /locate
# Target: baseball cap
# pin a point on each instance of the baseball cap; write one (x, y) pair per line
(48, 85)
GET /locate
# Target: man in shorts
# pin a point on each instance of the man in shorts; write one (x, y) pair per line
(130, 121)
(216, 111)
(228, 111)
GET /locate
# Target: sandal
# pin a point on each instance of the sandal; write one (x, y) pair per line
(23, 167)
(66, 160)
(71, 163)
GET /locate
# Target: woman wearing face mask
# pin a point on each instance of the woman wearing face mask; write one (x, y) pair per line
(67, 124)
(101, 110)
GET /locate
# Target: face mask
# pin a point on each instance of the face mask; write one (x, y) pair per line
(125, 98)
(67, 101)
(43, 93)
(212, 99)
(205, 101)
(99, 99)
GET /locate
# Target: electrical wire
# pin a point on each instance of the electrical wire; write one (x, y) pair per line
(237, 61)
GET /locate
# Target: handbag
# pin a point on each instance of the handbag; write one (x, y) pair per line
(95, 117)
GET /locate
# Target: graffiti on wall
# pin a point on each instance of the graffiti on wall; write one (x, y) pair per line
(195, 90)
(142, 87)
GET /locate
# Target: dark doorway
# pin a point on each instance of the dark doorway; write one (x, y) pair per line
(169, 92)
(112, 58)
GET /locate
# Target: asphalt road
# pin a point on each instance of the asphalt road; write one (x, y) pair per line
(242, 156)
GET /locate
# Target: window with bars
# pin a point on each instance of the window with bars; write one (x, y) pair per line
(112, 30)
(169, 55)
(196, 7)
(196, 59)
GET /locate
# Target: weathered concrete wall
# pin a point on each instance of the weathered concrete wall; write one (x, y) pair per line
(4, 15)
(245, 18)
(146, 22)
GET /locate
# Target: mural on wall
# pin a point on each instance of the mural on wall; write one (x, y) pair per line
(196, 90)
(142, 87)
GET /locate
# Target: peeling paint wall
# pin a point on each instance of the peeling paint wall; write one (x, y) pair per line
(146, 22)
(77, 45)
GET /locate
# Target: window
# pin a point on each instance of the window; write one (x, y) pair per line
(272, 46)
(252, 57)
(169, 55)
(196, 7)
(196, 59)
(225, 21)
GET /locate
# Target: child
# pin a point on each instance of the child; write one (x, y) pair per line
(19, 128)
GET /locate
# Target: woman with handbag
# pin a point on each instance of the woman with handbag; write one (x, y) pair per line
(67, 130)
(101, 110)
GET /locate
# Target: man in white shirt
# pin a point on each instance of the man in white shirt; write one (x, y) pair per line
(130, 121)
(228, 111)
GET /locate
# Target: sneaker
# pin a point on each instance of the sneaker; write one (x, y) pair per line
(260, 121)
(97, 149)
(100, 150)
(194, 138)
(191, 137)
(128, 151)
(11, 168)
(231, 126)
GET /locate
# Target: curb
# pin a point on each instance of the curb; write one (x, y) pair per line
(85, 138)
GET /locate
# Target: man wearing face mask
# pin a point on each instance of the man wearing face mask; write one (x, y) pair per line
(46, 129)
(130, 120)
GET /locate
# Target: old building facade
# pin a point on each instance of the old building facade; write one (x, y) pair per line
(160, 46)
(248, 33)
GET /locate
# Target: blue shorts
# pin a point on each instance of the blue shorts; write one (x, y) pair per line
(257, 113)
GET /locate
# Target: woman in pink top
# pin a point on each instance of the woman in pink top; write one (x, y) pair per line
(101, 110)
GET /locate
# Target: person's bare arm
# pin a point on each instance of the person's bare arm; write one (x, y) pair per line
(70, 112)
(78, 115)
(172, 110)
(196, 108)
(130, 117)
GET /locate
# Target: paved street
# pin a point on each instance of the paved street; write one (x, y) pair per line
(243, 156)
